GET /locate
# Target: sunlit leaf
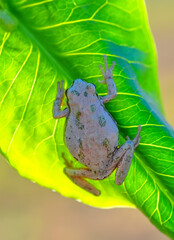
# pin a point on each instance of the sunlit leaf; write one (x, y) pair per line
(46, 41)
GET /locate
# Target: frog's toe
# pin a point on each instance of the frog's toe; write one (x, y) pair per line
(103, 73)
(113, 65)
(136, 140)
(127, 138)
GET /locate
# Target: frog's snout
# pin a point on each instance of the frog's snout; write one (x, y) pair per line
(77, 82)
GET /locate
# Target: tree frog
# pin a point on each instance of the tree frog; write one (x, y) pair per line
(91, 133)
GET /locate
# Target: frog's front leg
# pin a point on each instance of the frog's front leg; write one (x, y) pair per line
(57, 113)
(108, 79)
(78, 175)
(124, 156)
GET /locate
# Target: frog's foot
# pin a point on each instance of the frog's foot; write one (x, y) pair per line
(77, 176)
(60, 90)
(67, 163)
(136, 140)
(108, 71)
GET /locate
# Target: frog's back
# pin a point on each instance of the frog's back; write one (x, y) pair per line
(91, 135)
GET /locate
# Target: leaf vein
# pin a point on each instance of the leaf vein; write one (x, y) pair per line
(35, 4)
(87, 20)
(109, 55)
(5, 38)
(156, 146)
(22, 66)
(25, 108)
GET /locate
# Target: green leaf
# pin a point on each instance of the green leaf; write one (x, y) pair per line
(52, 40)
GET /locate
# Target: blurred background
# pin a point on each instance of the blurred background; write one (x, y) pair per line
(31, 212)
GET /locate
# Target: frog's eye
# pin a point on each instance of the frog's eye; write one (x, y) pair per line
(91, 88)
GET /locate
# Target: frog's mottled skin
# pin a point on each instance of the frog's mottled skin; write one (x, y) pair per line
(91, 134)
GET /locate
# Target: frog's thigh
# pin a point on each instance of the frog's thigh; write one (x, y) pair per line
(124, 155)
(75, 176)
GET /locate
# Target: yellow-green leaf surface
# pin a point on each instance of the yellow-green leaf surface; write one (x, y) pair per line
(42, 42)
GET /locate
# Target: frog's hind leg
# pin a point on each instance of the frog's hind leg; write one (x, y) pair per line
(77, 176)
(84, 184)
(124, 157)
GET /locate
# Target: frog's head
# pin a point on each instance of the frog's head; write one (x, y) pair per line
(80, 91)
